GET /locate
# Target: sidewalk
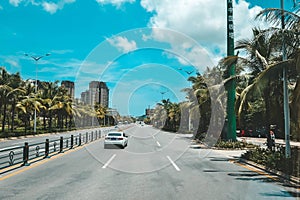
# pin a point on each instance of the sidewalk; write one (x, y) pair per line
(261, 141)
(235, 156)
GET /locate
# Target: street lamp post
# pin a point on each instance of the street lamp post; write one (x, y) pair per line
(162, 95)
(285, 91)
(36, 59)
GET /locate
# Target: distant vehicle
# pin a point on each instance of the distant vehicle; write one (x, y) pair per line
(258, 132)
(116, 138)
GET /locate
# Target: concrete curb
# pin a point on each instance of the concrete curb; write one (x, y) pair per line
(295, 181)
(292, 180)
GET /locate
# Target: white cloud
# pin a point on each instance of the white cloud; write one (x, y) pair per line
(117, 3)
(50, 7)
(202, 20)
(15, 2)
(13, 62)
(122, 43)
(62, 51)
(53, 7)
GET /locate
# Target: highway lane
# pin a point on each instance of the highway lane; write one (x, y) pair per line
(143, 170)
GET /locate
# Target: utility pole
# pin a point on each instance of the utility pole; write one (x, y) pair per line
(231, 85)
(286, 108)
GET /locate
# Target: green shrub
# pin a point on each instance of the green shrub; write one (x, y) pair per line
(276, 159)
(234, 145)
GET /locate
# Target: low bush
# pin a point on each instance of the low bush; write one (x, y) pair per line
(234, 145)
(276, 159)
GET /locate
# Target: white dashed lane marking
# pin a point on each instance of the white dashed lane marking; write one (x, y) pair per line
(173, 163)
(109, 161)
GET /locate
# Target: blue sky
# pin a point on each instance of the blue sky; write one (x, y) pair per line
(137, 47)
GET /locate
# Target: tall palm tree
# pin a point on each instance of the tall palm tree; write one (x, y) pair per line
(10, 87)
(290, 22)
(49, 90)
(100, 112)
(262, 52)
(63, 107)
(27, 105)
(4, 90)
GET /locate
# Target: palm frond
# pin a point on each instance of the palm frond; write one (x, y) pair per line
(274, 15)
(259, 83)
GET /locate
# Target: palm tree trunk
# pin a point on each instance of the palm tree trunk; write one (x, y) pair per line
(44, 120)
(267, 105)
(13, 108)
(4, 115)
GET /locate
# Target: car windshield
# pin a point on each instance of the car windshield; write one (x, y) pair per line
(114, 134)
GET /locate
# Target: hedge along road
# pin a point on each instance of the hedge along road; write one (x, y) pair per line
(196, 174)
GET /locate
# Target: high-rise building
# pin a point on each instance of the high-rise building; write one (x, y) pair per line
(85, 97)
(94, 92)
(103, 94)
(70, 87)
(98, 92)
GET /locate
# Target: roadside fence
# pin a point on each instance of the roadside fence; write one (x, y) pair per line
(22, 155)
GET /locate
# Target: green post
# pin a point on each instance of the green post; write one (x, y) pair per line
(231, 118)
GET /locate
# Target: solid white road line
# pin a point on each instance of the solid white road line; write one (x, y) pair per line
(109, 161)
(158, 143)
(9, 147)
(173, 163)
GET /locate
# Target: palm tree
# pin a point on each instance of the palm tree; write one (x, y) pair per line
(62, 104)
(15, 94)
(290, 22)
(159, 116)
(100, 112)
(10, 87)
(4, 90)
(27, 105)
(262, 52)
(206, 102)
(48, 92)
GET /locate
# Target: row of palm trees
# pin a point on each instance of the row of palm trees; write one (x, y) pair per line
(56, 110)
(259, 91)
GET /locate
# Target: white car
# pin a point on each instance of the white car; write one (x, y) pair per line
(116, 138)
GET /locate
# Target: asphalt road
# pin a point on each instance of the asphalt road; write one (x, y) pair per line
(155, 165)
(5, 143)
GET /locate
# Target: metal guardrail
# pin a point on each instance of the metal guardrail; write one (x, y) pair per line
(21, 155)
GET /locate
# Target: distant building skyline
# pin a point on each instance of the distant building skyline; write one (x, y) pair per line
(70, 87)
(98, 92)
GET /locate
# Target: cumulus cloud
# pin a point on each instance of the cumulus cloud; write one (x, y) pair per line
(202, 20)
(122, 43)
(117, 3)
(15, 2)
(48, 6)
(53, 7)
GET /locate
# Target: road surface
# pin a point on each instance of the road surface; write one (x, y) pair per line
(154, 165)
